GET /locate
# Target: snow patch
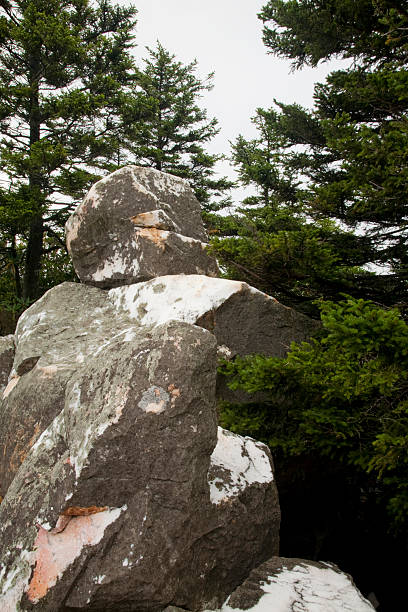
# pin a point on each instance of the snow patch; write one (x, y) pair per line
(236, 463)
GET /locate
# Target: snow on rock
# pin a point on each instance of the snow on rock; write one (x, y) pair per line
(243, 319)
(237, 463)
(285, 585)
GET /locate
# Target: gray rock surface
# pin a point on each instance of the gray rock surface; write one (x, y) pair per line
(243, 319)
(54, 338)
(53, 343)
(285, 585)
(6, 360)
(136, 224)
(117, 508)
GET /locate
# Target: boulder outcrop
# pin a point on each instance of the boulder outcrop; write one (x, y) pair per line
(134, 225)
(283, 585)
(120, 491)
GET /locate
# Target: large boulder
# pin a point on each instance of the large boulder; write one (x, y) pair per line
(128, 500)
(54, 338)
(243, 319)
(284, 585)
(134, 225)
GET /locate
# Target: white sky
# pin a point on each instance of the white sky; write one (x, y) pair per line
(225, 37)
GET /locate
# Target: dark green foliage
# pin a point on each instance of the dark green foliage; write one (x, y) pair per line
(345, 161)
(308, 31)
(65, 71)
(272, 241)
(342, 396)
(167, 127)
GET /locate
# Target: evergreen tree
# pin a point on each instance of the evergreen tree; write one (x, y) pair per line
(65, 72)
(330, 216)
(271, 242)
(174, 129)
(348, 157)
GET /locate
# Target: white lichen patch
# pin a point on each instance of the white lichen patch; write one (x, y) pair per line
(181, 297)
(50, 437)
(117, 263)
(307, 588)
(99, 579)
(14, 581)
(163, 182)
(236, 463)
(155, 400)
(80, 446)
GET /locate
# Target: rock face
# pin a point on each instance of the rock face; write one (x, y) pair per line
(6, 360)
(283, 585)
(111, 424)
(120, 492)
(136, 224)
(243, 319)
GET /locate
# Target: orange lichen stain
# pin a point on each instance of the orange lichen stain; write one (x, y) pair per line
(174, 392)
(34, 437)
(68, 513)
(55, 552)
(147, 219)
(158, 237)
(80, 511)
(50, 370)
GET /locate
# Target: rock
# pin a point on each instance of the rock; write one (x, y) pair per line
(284, 585)
(112, 505)
(134, 225)
(243, 319)
(6, 360)
(52, 343)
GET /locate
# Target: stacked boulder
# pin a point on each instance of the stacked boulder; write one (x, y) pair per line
(120, 491)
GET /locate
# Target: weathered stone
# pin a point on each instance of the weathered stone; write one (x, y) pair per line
(112, 508)
(243, 319)
(55, 338)
(6, 360)
(136, 224)
(284, 585)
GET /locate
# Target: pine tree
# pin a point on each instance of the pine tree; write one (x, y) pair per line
(270, 241)
(65, 71)
(168, 128)
(349, 154)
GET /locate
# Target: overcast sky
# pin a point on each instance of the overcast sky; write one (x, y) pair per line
(225, 36)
